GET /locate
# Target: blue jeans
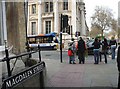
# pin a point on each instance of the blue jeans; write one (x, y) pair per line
(96, 55)
(71, 59)
(113, 52)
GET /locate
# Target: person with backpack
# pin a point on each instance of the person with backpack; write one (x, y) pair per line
(81, 50)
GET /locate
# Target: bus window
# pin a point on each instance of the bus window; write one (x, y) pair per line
(45, 41)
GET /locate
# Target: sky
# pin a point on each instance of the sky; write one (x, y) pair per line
(91, 4)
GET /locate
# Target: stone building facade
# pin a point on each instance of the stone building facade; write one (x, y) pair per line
(44, 16)
(119, 21)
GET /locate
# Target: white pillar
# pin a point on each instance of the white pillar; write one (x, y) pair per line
(56, 16)
(83, 26)
(39, 18)
(73, 16)
(28, 20)
(1, 21)
(83, 32)
(4, 20)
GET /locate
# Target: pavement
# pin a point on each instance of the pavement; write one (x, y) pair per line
(89, 75)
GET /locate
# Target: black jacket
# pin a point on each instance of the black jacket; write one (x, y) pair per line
(113, 42)
(96, 45)
(118, 58)
(81, 46)
(104, 45)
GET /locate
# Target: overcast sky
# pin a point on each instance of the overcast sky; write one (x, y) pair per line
(91, 4)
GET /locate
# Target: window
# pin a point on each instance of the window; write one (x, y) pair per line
(65, 5)
(48, 26)
(33, 30)
(33, 8)
(48, 6)
(51, 6)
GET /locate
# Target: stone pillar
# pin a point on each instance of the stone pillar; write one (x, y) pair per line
(39, 18)
(56, 16)
(16, 26)
(1, 26)
(83, 26)
(83, 32)
(73, 22)
(4, 20)
(28, 20)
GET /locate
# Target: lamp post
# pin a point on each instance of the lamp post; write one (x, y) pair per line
(61, 26)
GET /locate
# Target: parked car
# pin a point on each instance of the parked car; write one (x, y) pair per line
(90, 47)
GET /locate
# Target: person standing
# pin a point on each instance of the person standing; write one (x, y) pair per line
(118, 65)
(113, 46)
(73, 48)
(100, 50)
(104, 49)
(71, 54)
(96, 45)
(81, 50)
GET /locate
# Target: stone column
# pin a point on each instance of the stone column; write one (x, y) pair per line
(73, 22)
(56, 16)
(83, 30)
(28, 20)
(39, 18)
(16, 26)
(1, 28)
(4, 20)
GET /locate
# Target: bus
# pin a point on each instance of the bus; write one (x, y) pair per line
(45, 41)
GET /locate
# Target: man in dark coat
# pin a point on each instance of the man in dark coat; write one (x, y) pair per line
(118, 65)
(81, 50)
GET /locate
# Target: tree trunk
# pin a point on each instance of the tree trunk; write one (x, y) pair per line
(102, 33)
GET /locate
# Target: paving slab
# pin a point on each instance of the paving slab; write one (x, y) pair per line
(103, 76)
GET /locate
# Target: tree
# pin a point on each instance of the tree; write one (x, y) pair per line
(95, 32)
(102, 19)
(114, 25)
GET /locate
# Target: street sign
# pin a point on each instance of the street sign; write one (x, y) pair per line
(17, 79)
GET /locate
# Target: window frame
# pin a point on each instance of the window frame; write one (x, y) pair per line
(49, 6)
(48, 27)
(65, 5)
(33, 28)
(33, 9)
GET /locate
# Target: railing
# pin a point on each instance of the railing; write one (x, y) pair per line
(39, 67)
(7, 58)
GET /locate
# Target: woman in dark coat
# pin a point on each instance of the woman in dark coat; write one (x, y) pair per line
(104, 49)
(81, 50)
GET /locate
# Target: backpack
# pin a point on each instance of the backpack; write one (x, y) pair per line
(70, 53)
